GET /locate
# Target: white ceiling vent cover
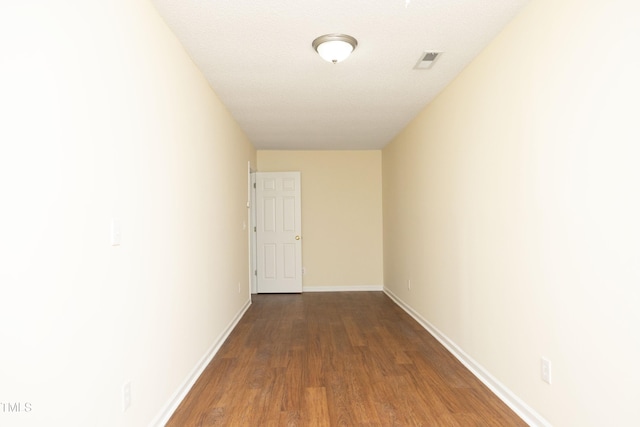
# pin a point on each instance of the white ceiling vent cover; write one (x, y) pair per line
(427, 59)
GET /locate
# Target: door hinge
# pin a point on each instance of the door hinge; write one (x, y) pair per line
(255, 272)
(255, 229)
(254, 185)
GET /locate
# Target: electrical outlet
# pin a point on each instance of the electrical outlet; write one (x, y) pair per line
(126, 396)
(238, 287)
(116, 232)
(545, 370)
(409, 284)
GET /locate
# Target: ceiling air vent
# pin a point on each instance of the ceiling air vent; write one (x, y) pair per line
(427, 59)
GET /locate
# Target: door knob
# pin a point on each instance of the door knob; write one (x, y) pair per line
(297, 237)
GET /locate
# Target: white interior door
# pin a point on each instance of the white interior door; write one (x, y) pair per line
(278, 232)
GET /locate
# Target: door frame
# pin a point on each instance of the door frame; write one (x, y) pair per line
(253, 246)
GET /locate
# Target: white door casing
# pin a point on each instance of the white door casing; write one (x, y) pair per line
(252, 240)
(278, 232)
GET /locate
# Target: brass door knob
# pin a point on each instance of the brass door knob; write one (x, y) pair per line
(297, 237)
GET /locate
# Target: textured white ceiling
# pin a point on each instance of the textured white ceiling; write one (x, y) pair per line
(257, 56)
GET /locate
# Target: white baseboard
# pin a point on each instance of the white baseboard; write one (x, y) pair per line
(355, 288)
(181, 393)
(523, 410)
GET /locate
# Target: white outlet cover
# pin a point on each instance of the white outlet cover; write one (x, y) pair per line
(116, 232)
(126, 396)
(545, 370)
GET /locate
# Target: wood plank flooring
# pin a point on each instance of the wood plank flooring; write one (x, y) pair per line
(336, 359)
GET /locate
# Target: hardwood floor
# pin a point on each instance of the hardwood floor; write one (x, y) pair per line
(336, 359)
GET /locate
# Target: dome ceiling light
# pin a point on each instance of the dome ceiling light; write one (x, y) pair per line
(334, 47)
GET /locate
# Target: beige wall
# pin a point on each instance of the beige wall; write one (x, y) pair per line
(103, 116)
(511, 202)
(341, 214)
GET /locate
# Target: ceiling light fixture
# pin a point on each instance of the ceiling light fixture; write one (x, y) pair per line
(334, 47)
